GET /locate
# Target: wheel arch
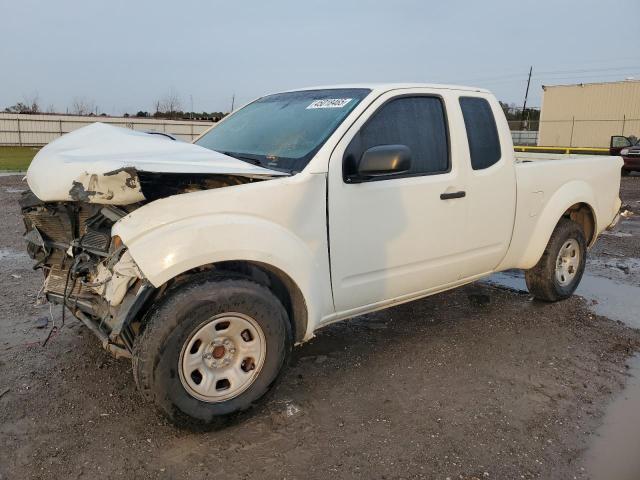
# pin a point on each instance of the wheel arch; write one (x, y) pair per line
(282, 286)
(269, 276)
(294, 261)
(574, 200)
(582, 213)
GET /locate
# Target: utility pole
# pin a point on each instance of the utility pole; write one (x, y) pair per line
(233, 101)
(526, 94)
(191, 114)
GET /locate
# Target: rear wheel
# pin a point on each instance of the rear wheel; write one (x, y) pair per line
(210, 349)
(625, 172)
(559, 271)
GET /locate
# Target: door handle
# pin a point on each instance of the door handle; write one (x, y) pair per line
(449, 196)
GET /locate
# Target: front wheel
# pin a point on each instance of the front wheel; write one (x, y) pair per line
(559, 271)
(211, 348)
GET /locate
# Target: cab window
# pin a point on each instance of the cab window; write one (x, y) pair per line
(418, 122)
(482, 133)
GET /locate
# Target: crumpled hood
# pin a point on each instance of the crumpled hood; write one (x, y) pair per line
(99, 164)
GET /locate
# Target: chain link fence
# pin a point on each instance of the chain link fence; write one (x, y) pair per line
(573, 132)
(525, 138)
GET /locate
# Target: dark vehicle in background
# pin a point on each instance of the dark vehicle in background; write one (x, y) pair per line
(629, 150)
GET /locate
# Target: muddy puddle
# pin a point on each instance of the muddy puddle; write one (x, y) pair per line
(607, 297)
(13, 259)
(614, 451)
(613, 454)
(14, 190)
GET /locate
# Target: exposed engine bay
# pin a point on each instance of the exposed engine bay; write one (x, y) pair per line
(88, 270)
(80, 185)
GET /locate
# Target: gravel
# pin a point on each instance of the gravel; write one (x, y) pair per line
(474, 383)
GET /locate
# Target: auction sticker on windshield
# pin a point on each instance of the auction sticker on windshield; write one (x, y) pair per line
(329, 103)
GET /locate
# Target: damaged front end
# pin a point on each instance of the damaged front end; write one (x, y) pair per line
(88, 270)
(81, 185)
(85, 269)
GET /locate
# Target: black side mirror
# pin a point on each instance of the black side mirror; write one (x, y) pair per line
(383, 160)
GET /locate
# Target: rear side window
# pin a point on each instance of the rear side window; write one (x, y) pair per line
(482, 133)
(417, 122)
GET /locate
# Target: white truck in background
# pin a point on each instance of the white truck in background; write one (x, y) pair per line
(205, 263)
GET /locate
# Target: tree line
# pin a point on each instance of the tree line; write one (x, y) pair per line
(515, 113)
(168, 106)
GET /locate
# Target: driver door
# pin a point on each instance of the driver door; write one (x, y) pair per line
(397, 236)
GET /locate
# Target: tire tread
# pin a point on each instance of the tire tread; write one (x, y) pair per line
(160, 323)
(541, 278)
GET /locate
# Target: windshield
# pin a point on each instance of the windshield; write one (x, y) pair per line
(283, 131)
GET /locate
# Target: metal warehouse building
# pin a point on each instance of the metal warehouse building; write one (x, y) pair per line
(588, 114)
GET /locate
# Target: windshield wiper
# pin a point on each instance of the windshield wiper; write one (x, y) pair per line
(255, 161)
(244, 158)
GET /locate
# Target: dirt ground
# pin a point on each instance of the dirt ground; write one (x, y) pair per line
(476, 383)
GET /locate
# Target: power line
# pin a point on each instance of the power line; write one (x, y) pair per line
(506, 76)
(541, 79)
(582, 63)
(624, 75)
(589, 70)
(557, 73)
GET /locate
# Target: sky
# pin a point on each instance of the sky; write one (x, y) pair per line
(124, 55)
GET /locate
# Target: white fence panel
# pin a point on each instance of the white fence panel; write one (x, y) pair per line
(38, 130)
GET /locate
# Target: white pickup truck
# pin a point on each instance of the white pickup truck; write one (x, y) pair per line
(206, 262)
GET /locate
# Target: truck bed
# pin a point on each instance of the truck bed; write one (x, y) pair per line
(544, 182)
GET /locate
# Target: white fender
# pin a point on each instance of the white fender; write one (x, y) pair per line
(284, 228)
(531, 238)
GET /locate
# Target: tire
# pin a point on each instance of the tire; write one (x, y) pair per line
(182, 342)
(548, 281)
(625, 172)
